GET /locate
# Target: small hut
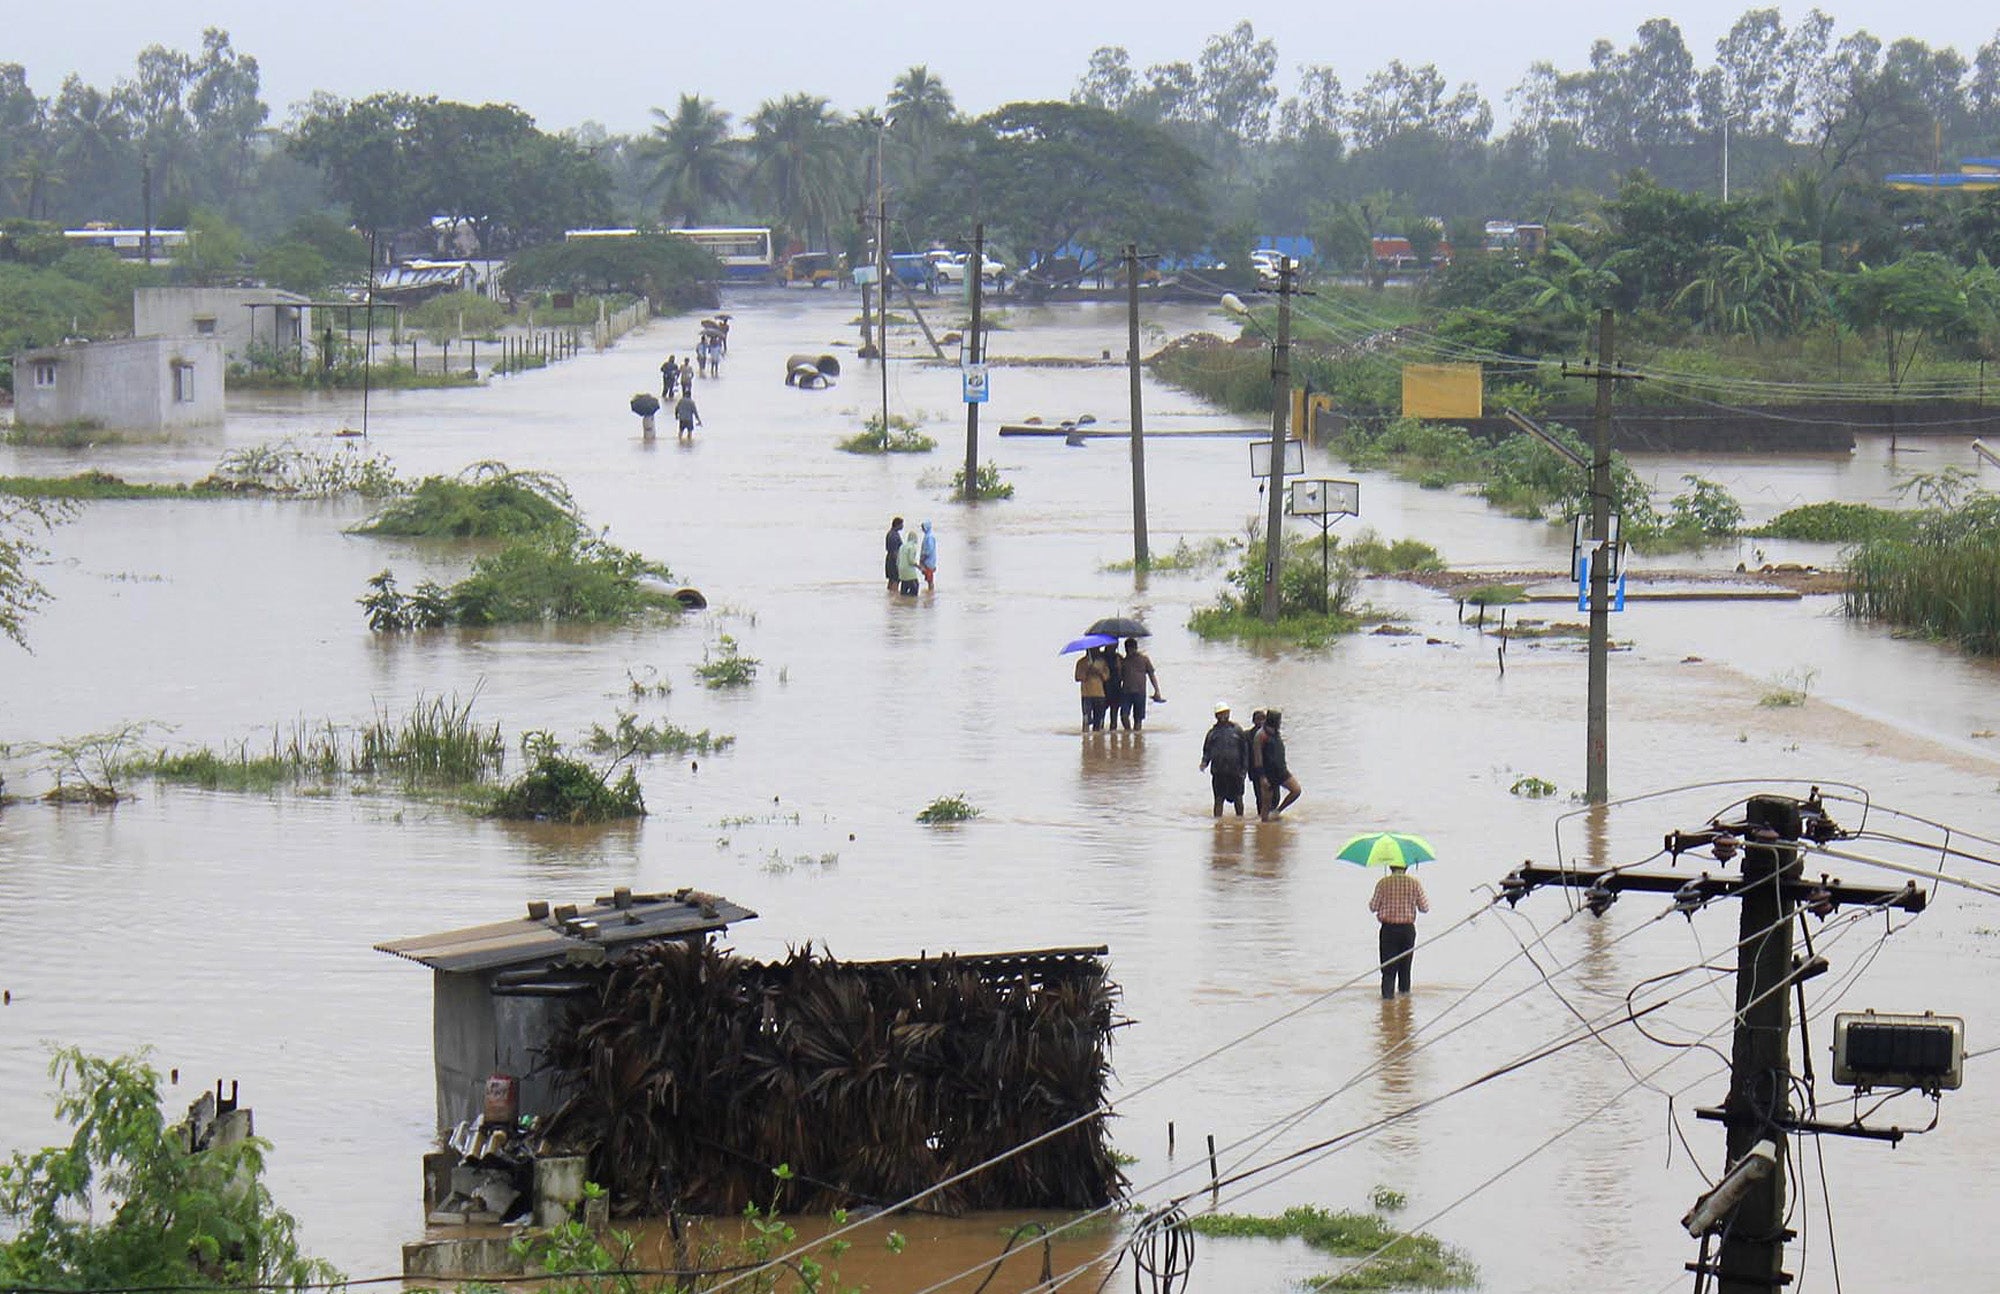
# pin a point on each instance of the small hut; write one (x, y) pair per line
(498, 990)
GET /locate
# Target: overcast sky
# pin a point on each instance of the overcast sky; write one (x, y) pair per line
(567, 63)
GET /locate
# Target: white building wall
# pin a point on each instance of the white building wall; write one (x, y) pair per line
(281, 318)
(141, 384)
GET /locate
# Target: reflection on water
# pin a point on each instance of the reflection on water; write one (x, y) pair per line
(232, 933)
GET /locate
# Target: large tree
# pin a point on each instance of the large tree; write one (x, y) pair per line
(799, 165)
(695, 163)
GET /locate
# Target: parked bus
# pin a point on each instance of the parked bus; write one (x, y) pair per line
(130, 244)
(745, 253)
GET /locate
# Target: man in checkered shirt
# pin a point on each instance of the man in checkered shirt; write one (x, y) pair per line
(1398, 898)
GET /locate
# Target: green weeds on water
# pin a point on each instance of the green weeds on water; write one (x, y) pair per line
(1789, 688)
(1391, 1260)
(1377, 556)
(1185, 558)
(298, 470)
(725, 665)
(903, 437)
(628, 737)
(558, 788)
(436, 745)
(487, 500)
(1840, 523)
(986, 484)
(948, 808)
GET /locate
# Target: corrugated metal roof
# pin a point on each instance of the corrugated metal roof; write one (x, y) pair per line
(572, 933)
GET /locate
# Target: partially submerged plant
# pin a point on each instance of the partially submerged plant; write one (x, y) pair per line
(986, 484)
(948, 808)
(725, 665)
(1789, 688)
(488, 500)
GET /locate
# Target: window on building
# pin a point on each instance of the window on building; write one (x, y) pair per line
(183, 384)
(45, 372)
(205, 327)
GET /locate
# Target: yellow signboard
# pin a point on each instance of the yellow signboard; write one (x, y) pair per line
(1443, 391)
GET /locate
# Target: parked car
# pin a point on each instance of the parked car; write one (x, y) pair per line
(952, 270)
(1266, 261)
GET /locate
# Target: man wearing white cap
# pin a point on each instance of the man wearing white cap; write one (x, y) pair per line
(1223, 754)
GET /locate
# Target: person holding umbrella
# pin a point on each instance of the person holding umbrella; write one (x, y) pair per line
(1397, 900)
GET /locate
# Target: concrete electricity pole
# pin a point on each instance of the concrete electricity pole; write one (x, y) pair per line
(1281, 404)
(975, 277)
(1141, 556)
(1597, 776)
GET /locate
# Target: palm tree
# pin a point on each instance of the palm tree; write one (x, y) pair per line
(1565, 285)
(696, 159)
(923, 111)
(1769, 284)
(1811, 208)
(796, 163)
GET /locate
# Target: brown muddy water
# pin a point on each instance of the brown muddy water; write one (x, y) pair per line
(232, 933)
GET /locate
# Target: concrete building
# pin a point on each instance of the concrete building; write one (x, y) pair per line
(498, 990)
(139, 384)
(241, 318)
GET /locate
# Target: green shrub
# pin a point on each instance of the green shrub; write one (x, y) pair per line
(948, 808)
(628, 737)
(986, 483)
(1311, 611)
(1836, 522)
(560, 789)
(903, 437)
(558, 577)
(725, 665)
(1419, 1261)
(456, 314)
(1942, 579)
(485, 501)
(1371, 553)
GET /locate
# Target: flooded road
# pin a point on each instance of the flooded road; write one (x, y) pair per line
(232, 933)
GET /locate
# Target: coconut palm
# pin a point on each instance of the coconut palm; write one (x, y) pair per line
(1566, 285)
(923, 111)
(796, 163)
(696, 161)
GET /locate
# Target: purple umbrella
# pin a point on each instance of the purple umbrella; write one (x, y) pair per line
(1089, 641)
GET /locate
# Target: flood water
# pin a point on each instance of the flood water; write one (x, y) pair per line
(231, 933)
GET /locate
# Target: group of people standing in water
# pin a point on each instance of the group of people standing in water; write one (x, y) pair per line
(910, 555)
(1114, 687)
(1231, 756)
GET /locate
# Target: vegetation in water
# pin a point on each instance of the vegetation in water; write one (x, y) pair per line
(903, 437)
(487, 500)
(1389, 1259)
(558, 788)
(1371, 553)
(436, 745)
(1836, 522)
(300, 470)
(92, 768)
(1495, 595)
(1789, 688)
(1529, 787)
(22, 523)
(1313, 609)
(126, 1204)
(1186, 558)
(551, 576)
(1942, 579)
(986, 483)
(725, 665)
(948, 808)
(628, 737)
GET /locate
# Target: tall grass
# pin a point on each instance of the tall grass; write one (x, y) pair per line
(437, 744)
(1943, 580)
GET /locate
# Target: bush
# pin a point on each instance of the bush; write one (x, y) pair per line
(1368, 551)
(948, 808)
(629, 737)
(457, 314)
(903, 438)
(558, 577)
(726, 665)
(485, 501)
(126, 1204)
(986, 483)
(1311, 611)
(1834, 522)
(560, 789)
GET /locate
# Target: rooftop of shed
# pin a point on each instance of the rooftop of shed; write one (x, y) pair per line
(571, 931)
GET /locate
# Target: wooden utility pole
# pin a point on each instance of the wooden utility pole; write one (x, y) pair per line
(1141, 556)
(974, 352)
(1753, 1248)
(1281, 405)
(1772, 890)
(1597, 777)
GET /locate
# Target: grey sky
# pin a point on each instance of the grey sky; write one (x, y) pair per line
(567, 63)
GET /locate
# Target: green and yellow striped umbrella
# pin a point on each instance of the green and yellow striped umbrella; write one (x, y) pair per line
(1387, 849)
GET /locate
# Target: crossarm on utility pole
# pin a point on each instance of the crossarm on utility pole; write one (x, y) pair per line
(1707, 887)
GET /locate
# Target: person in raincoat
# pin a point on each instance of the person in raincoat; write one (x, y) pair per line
(909, 561)
(927, 558)
(892, 544)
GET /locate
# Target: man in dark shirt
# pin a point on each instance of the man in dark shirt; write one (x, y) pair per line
(893, 543)
(1222, 754)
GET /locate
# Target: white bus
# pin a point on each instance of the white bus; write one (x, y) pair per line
(745, 253)
(130, 244)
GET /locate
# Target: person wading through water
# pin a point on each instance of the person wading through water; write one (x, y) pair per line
(1398, 898)
(1222, 755)
(1277, 774)
(893, 546)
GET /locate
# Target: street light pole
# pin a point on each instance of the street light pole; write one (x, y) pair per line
(1281, 403)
